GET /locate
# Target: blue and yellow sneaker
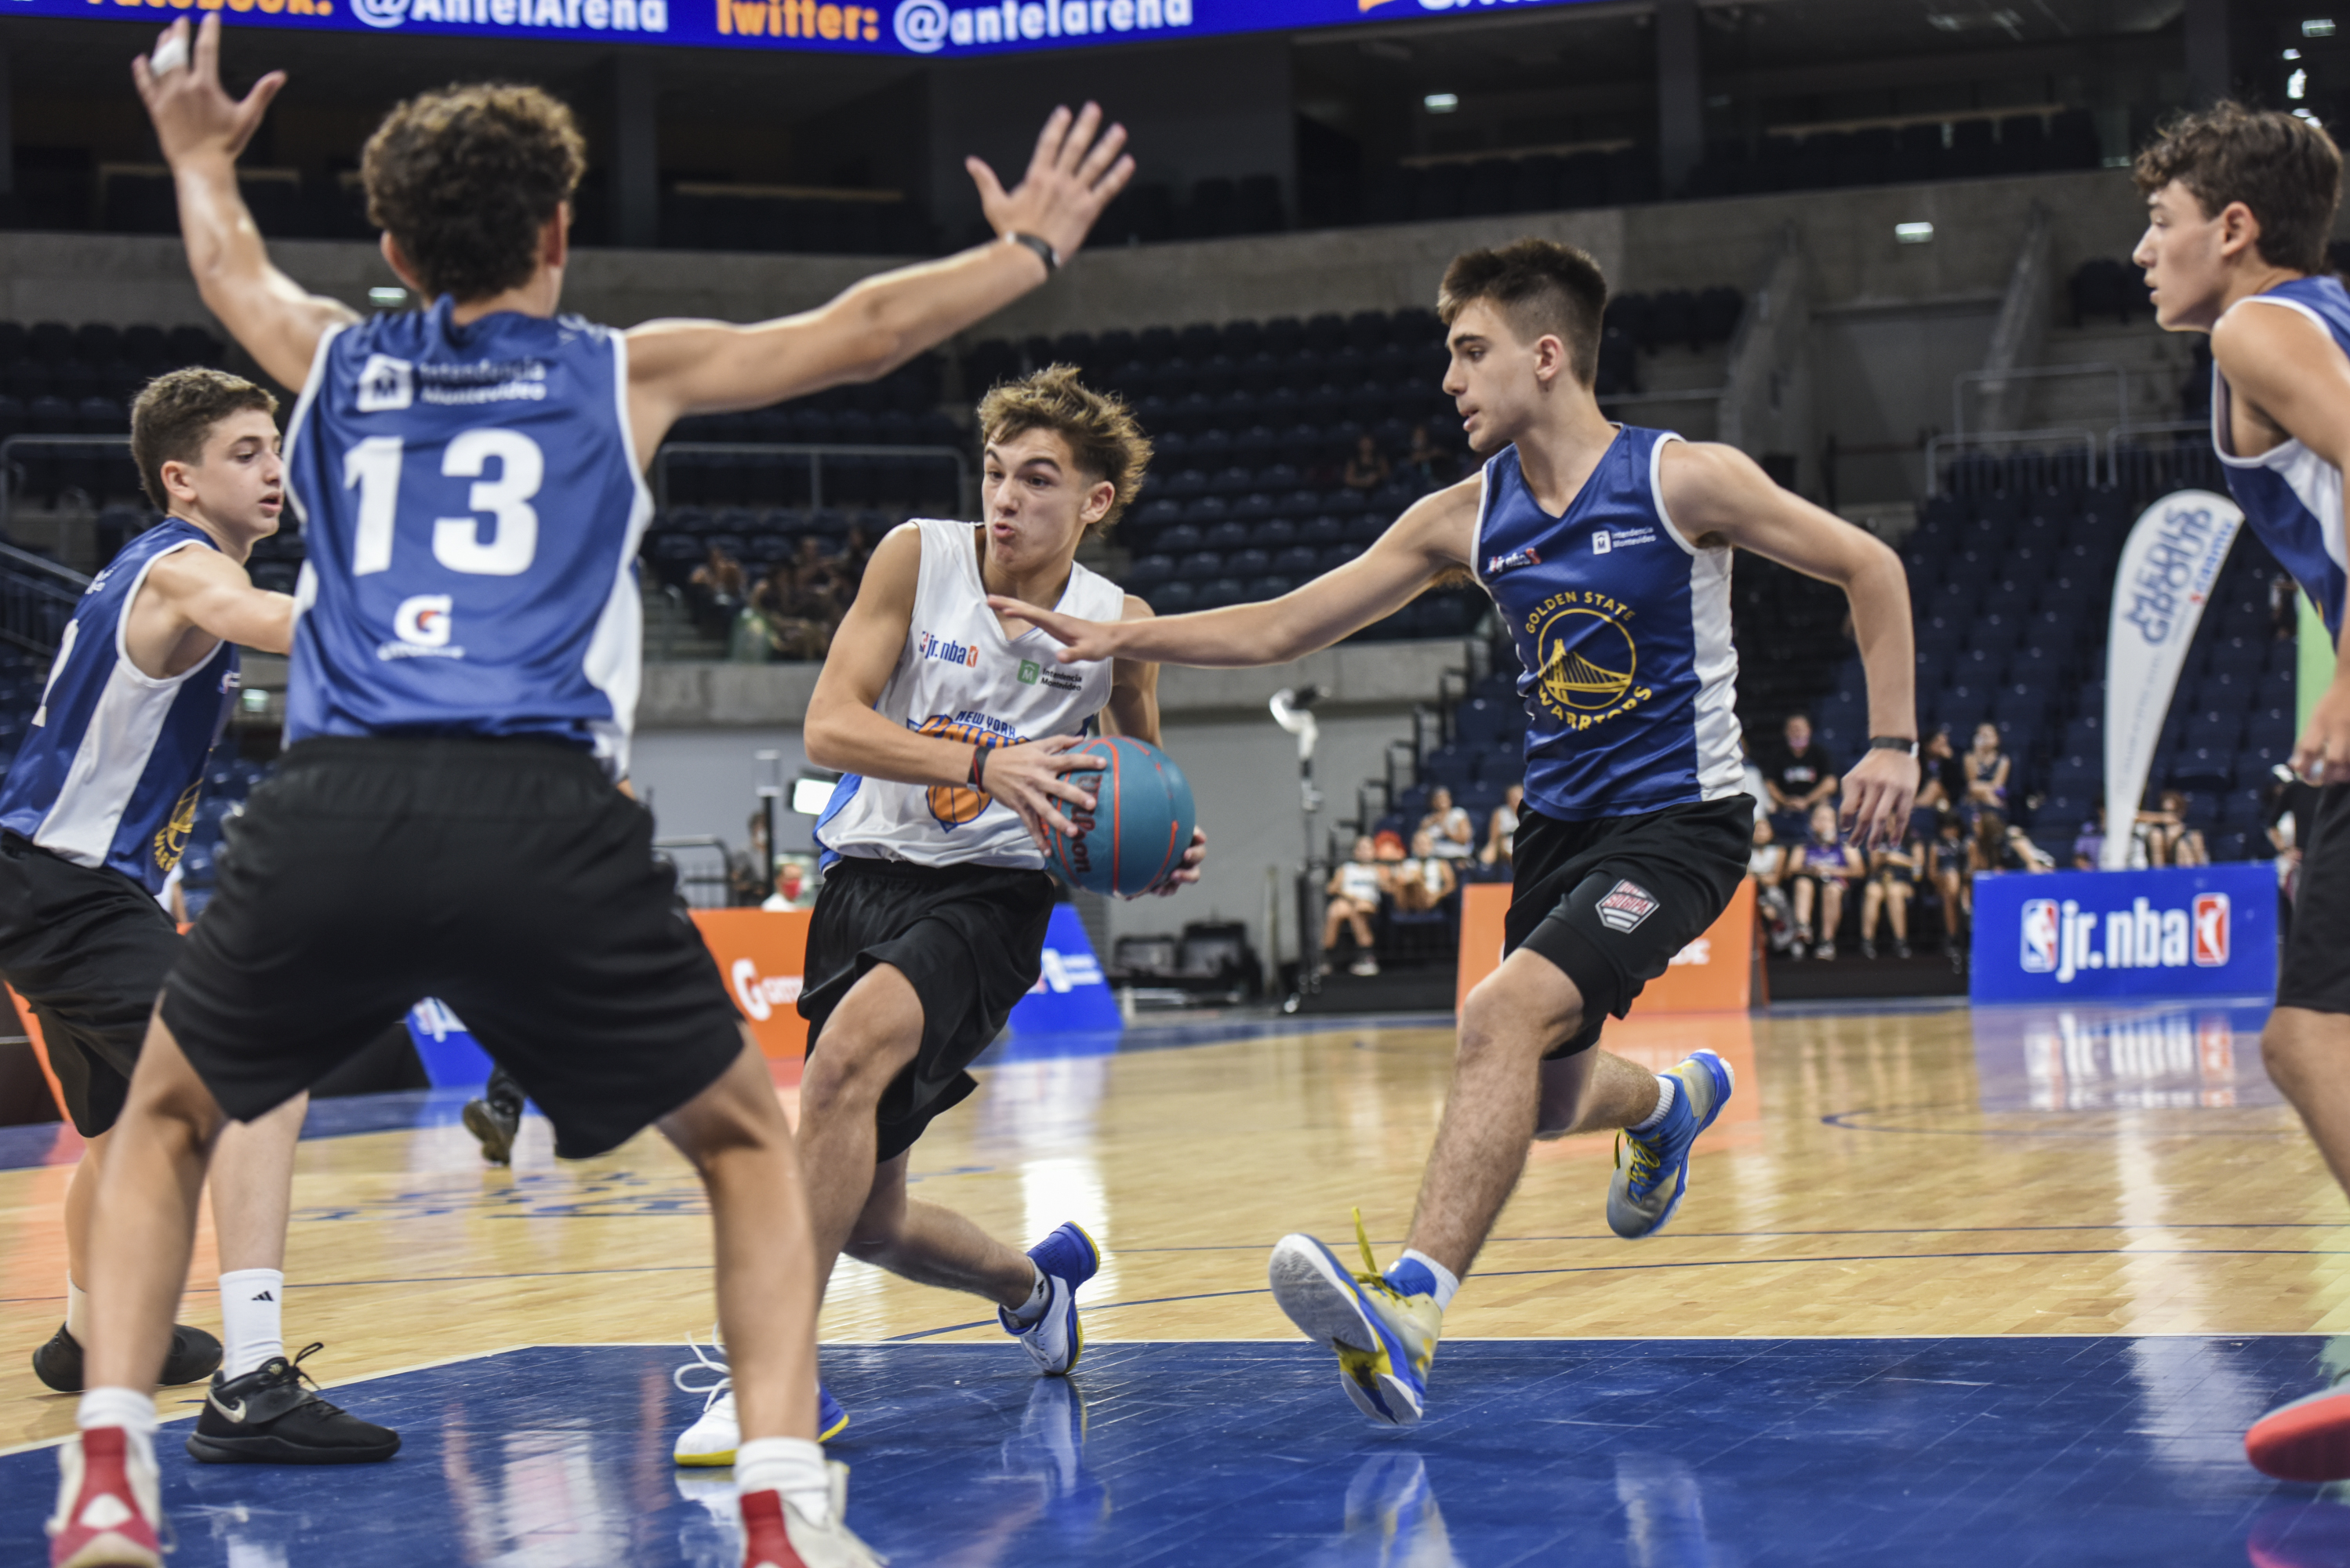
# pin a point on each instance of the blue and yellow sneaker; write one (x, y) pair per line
(1067, 1259)
(713, 1438)
(1652, 1168)
(1385, 1339)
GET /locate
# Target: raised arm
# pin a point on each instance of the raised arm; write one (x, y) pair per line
(843, 732)
(681, 368)
(1427, 542)
(204, 593)
(1718, 494)
(201, 130)
(2288, 368)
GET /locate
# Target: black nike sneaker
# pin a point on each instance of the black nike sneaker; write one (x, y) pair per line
(268, 1417)
(493, 1124)
(195, 1356)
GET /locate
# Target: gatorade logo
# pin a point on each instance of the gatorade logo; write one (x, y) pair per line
(759, 995)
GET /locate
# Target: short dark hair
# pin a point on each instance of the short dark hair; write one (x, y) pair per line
(174, 414)
(1543, 287)
(466, 177)
(1103, 439)
(2285, 169)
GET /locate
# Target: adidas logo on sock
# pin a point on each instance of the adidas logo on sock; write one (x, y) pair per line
(264, 1296)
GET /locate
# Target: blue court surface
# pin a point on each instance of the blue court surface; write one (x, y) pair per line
(1654, 1454)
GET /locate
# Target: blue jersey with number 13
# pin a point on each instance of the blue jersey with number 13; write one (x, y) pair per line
(471, 507)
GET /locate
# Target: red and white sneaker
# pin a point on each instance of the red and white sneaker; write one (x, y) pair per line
(108, 1503)
(2306, 1441)
(777, 1535)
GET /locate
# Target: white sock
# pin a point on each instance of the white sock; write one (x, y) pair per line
(251, 1300)
(127, 1408)
(76, 1312)
(1448, 1283)
(1668, 1088)
(1039, 1298)
(791, 1465)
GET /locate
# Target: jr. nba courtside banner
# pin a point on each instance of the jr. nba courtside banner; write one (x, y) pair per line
(2187, 930)
(2167, 569)
(946, 28)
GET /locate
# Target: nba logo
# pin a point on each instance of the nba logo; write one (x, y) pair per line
(2039, 936)
(2210, 929)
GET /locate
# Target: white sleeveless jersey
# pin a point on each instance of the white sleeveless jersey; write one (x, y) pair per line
(959, 676)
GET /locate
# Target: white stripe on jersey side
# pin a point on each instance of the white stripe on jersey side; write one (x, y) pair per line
(305, 581)
(614, 664)
(2315, 482)
(116, 746)
(1720, 762)
(1485, 511)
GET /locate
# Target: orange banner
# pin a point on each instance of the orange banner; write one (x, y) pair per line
(1714, 974)
(760, 955)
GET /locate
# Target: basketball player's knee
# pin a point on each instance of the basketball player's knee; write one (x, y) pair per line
(1496, 1022)
(850, 1069)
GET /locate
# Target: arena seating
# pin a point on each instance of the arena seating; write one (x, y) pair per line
(2012, 584)
(57, 379)
(2038, 141)
(901, 409)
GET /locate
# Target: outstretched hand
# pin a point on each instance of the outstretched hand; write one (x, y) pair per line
(1081, 641)
(1878, 793)
(2321, 756)
(193, 114)
(1076, 169)
(1028, 778)
(1186, 872)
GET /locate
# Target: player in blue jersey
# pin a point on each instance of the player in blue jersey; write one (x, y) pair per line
(2241, 204)
(93, 818)
(1608, 551)
(470, 479)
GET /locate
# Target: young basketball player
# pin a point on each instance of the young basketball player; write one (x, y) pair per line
(1608, 550)
(2241, 204)
(93, 816)
(951, 722)
(445, 823)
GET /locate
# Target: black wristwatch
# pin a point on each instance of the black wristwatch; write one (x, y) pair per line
(1042, 247)
(1894, 744)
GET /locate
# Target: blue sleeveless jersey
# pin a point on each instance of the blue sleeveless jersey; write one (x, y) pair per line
(471, 510)
(1623, 627)
(114, 758)
(2292, 496)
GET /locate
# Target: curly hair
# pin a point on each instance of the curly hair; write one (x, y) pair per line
(1103, 437)
(464, 179)
(2285, 168)
(173, 416)
(1543, 288)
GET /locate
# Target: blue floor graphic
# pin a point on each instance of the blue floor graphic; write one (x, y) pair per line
(2005, 1452)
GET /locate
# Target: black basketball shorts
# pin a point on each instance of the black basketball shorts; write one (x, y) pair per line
(970, 940)
(2316, 972)
(1610, 901)
(507, 878)
(87, 948)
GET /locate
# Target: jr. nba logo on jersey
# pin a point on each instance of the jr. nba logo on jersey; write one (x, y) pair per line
(386, 385)
(2039, 936)
(946, 651)
(2210, 929)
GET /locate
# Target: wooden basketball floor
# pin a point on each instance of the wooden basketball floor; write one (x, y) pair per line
(1951, 1285)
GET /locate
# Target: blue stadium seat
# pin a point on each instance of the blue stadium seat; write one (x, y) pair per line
(1482, 721)
(1182, 539)
(1147, 572)
(1199, 566)
(1227, 536)
(1297, 561)
(1174, 598)
(1333, 557)
(1249, 563)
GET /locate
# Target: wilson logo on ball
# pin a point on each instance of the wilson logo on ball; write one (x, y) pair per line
(1140, 824)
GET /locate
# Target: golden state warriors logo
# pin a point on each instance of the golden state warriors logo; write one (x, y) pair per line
(171, 839)
(952, 805)
(1590, 660)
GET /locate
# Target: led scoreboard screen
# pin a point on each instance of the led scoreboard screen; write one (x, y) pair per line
(936, 28)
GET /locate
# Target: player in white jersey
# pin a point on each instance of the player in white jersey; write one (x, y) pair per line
(463, 687)
(951, 722)
(93, 818)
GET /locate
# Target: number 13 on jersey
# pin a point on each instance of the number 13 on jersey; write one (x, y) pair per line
(506, 467)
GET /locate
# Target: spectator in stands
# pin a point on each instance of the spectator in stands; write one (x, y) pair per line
(1945, 785)
(1821, 869)
(856, 550)
(823, 589)
(1354, 890)
(1368, 468)
(1426, 879)
(2169, 841)
(720, 577)
(1893, 872)
(1799, 774)
(797, 884)
(1949, 861)
(1387, 844)
(1425, 464)
(1987, 769)
(1766, 862)
(1501, 832)
(1997, 847)
(2089, 843)
(1450, 834)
